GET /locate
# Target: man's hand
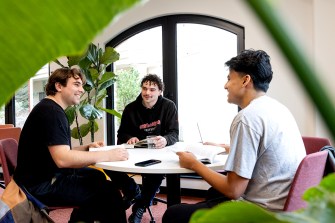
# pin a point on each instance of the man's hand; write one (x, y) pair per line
(187, 160)
(133, 140)
(226, 146)
(96, 144)
(88, 146)
(160, 142)
(119, 154)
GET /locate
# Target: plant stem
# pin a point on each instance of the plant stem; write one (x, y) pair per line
(78, 129)
(92, 130)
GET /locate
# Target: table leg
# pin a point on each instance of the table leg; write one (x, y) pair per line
(173, 189)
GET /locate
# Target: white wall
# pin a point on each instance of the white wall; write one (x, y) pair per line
(310, 21)
(324, 35)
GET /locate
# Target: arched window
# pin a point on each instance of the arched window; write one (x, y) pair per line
(188, 52)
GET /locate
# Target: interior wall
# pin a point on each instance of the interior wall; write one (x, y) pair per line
(324, 51)
(306, 20)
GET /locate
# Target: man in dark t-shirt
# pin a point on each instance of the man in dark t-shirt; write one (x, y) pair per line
(54, 172)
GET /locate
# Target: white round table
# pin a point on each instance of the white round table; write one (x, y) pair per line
(169, 166)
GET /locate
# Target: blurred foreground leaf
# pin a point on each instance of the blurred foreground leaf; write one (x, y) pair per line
(235, 211)
(297, 59)
(321, 209)
(34, 32)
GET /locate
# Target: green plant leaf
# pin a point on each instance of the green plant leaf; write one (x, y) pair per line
(74, 60)
(106, 84)
(93, 53)
(328, 183)
(96, 126)
(89, 80)
(107, 76)
(102, 94)
(111, 111)
(109, 56)
(34, 33)
(84, 63)
(234, 211)
(320, 209)
(94, 74)
(321, 204)
(74, 133)
(70, 113)
(84, 130)
(89, 112)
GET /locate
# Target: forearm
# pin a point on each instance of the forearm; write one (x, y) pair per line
(215, 179)
(79, 159)
(81, 148)
(88, 146)
(220, 182)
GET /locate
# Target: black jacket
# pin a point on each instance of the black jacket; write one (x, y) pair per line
(139, 121)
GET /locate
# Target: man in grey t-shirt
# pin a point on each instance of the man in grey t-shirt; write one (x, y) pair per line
(265, 144)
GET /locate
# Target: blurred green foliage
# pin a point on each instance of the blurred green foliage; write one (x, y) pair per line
(33, 33)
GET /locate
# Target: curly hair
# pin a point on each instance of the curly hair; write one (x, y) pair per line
(153, 79)
(61, 76)
(257, 64)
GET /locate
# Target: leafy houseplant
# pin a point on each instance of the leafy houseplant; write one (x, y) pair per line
(93, 63)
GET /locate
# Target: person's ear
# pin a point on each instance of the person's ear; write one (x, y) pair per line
(246, 79)
(58, 86)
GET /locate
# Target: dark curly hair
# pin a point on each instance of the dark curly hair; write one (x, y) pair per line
(153, 79)
(61, 76)
(256, 63)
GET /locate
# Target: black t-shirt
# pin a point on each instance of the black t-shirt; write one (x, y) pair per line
(46, 125)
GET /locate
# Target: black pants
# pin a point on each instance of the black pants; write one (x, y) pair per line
(150, 185)
(181, 213)
(98, 199)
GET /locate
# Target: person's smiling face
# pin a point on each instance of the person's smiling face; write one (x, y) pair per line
(72, 92)
(235, 87)
(150, 93)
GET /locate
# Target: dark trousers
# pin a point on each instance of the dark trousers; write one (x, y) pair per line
(122, 181)
(181, 213)
(150, 185)
(98, 199)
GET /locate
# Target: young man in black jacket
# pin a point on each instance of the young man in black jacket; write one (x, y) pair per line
(149, 114)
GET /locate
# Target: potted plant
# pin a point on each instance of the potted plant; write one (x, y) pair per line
(93, 63)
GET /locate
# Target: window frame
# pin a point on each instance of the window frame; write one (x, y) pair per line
(169, 49)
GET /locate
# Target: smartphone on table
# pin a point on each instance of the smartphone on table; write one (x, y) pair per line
(148, 162)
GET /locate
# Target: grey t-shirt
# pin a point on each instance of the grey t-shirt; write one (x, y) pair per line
(265, 147)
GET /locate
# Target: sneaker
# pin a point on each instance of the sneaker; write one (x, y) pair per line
(130, 198)
(137, 215)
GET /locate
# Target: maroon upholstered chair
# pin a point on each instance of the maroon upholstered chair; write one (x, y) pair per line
(10, 132)
(8, 155)
(6, 126)
(314, 144)
(309, 174)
